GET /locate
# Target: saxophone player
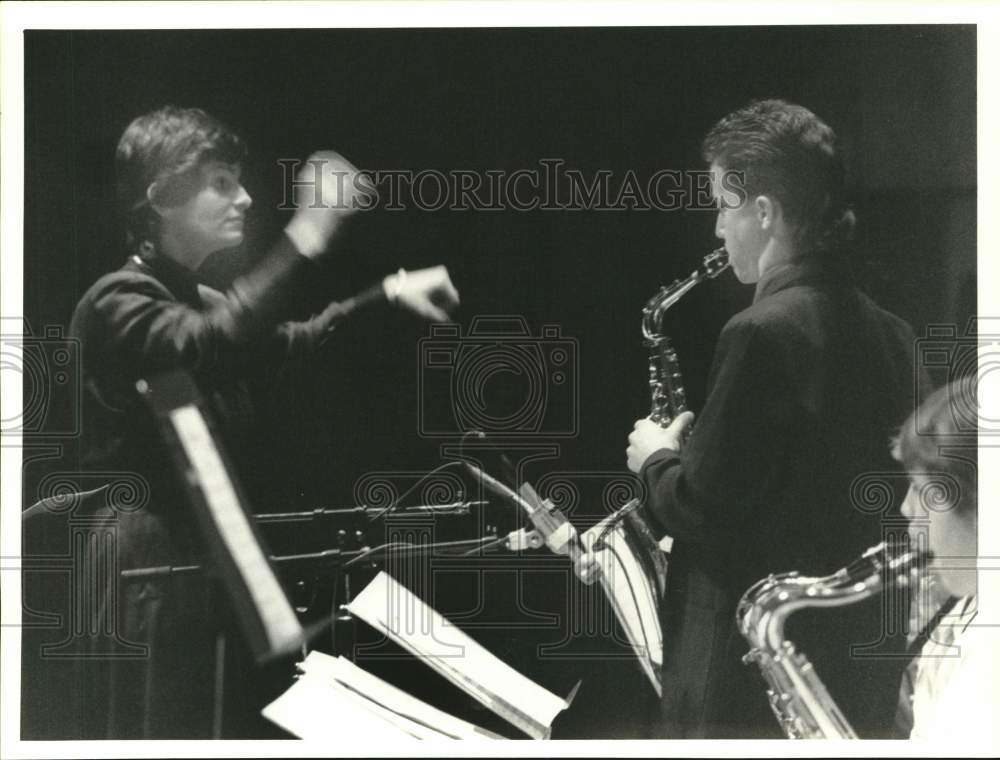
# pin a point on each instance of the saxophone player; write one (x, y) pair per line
(805, 385)
(953, 698)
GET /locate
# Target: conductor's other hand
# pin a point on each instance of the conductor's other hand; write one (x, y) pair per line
(328, 189)
(647, 437)
(428, 293)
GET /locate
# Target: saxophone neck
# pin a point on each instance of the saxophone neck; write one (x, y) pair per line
(764, 608)
(658, 305)
(711, 267)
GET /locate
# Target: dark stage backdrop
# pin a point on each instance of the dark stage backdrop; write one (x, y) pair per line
(902, 99)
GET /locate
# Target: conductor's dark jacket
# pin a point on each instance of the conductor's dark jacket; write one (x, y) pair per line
(787, 468)
(154, 315)
(152, 675)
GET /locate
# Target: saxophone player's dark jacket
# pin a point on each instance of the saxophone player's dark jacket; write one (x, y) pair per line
(149, 316)
(787, 468)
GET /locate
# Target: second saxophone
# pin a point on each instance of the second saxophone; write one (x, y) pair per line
(798, 697)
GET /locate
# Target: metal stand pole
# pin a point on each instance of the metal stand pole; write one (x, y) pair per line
(218, 694)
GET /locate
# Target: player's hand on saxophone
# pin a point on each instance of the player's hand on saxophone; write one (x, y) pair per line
(647, 437)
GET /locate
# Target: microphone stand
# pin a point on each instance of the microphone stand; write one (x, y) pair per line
(325, 558)
(454, 508)
(331, 558)
(340, 559)
(342, 615)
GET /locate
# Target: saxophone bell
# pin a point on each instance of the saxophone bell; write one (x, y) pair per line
(799, 699)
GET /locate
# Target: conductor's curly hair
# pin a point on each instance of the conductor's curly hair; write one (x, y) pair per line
(159, 154)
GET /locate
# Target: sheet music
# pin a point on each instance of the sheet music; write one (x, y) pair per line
(392, 609)
(314, 708)
(282, 627)
(634, 601)
(403, 710)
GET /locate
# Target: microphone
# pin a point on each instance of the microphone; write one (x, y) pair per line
(550, 524)
(499, 488)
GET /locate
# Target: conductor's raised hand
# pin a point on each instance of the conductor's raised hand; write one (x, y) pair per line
(328, 189)
(428, 293)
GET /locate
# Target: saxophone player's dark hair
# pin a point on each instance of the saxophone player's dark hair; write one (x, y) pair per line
(939, 439)
(166, 147)
(785, 151)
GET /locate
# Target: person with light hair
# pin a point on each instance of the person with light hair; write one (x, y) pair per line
(954, 678)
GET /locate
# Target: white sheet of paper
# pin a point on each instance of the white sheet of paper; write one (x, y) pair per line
(389, 607)
(314, 709)
(419, 714)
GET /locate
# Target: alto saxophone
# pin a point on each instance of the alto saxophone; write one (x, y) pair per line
(628, 528)
(800, 701)
(665, 384)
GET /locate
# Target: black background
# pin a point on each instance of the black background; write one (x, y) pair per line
(902, 99)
